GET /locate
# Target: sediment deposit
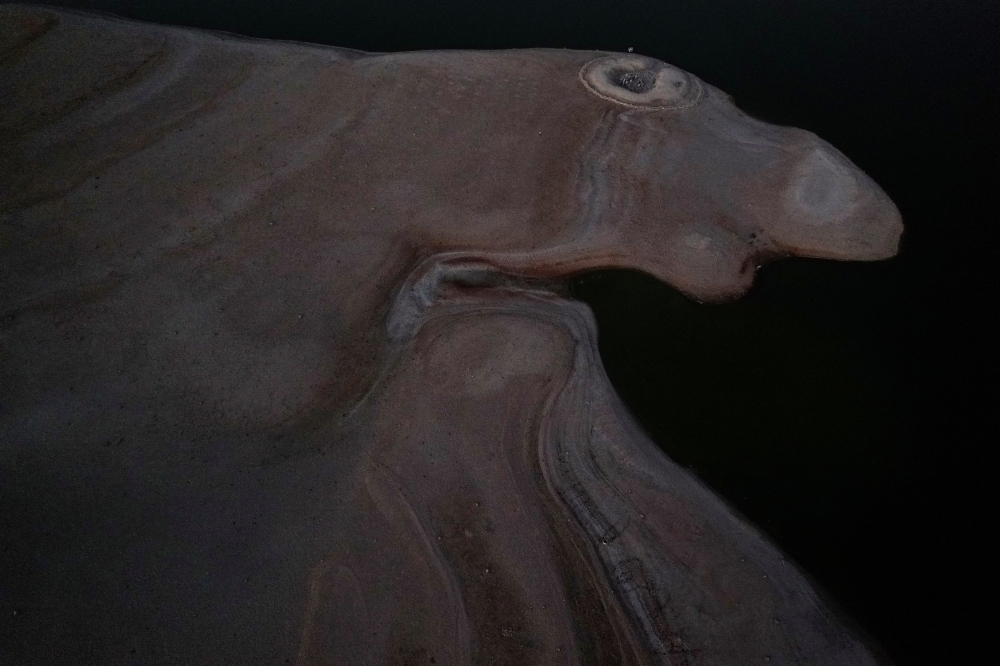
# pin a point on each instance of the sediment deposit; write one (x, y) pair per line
(289, 373)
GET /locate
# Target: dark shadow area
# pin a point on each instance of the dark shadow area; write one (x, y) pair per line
(818, 417)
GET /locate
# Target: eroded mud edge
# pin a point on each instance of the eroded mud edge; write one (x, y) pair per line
(616, 484)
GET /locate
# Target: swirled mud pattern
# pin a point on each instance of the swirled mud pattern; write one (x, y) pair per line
(290, 374)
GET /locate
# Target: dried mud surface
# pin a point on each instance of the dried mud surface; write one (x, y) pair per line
(289, 376)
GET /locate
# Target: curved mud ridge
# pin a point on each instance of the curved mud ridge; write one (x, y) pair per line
(539, 518)
(290, 374)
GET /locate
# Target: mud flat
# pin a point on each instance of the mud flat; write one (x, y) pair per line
(289, 371)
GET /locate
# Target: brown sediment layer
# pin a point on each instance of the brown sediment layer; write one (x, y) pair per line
(288, 372)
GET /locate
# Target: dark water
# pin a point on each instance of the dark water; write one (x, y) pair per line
(847, 409)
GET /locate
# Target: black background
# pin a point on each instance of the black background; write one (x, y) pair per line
(847, 409)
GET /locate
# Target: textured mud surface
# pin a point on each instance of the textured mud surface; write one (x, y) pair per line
(288, 374)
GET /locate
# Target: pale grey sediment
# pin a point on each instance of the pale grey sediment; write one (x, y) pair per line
(632, 504)
(289, 370)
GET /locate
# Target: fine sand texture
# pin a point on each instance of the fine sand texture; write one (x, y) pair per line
(288, 373)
